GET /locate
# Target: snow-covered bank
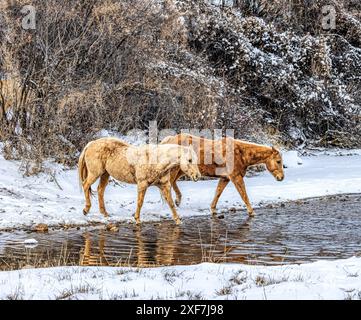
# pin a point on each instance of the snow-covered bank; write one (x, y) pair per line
(340, 279)
(26, 202)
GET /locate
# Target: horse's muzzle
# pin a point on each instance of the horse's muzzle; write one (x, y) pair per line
(280, 178)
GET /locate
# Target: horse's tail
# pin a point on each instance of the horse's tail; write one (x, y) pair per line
(83, 169)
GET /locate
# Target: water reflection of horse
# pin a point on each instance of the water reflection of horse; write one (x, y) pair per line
(163, 244)
(156, 249)
(160, 251)
(87, 255)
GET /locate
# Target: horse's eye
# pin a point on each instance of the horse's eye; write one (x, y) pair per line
(279, 161)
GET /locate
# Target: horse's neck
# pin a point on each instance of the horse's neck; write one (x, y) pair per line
(172, 161)
(176, 161)
(255, 154)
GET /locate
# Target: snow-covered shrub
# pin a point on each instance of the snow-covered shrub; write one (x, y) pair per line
(300, 81)
(263, 68)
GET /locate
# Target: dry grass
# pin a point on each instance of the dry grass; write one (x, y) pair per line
(98, 65)
(11, 261)
(225, 291)
(68, 293)
(117, 65)
(17, 294)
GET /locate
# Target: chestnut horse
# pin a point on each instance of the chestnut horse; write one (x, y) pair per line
(227, 159)
(144, 165)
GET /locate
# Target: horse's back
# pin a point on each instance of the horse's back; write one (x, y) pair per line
(105, 145)
(111, 142)
(113, 156)
(185, 139)
(104, 148)
(182, 139)
(200, 145)
(207, 150)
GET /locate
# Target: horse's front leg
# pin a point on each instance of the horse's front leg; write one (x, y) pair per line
(142, 188)
(178, 194)
(175, 175)
(165, 189)
(222, 183)
(241, 188)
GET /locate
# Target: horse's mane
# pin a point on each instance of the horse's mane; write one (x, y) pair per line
(252, 144)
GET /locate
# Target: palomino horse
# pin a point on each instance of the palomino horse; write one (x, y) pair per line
(145, 166)
(213, 157)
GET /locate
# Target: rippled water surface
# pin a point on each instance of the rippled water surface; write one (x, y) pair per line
(294, 232)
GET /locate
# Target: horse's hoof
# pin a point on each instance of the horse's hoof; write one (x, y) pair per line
(137, 222)
(213, 211)
(178, 222)
(177, 202)
(104, 212)
(251, 213)
(85, 212)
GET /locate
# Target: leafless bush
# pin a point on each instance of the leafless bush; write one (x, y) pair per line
(92, 65)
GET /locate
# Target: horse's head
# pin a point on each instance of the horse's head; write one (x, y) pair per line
(189, 163)
(274, 164)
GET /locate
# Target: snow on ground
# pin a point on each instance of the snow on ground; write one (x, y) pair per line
(27, 201)
(340, 279)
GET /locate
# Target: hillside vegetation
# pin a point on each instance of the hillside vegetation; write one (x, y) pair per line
(264, 68)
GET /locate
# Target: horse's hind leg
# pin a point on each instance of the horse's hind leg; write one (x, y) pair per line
(142, 188)
(168, 197)
(87, 191)
(104, 179)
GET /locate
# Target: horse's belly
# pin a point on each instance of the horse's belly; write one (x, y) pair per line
(208, 170)
(123, 177)
(123, 173)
